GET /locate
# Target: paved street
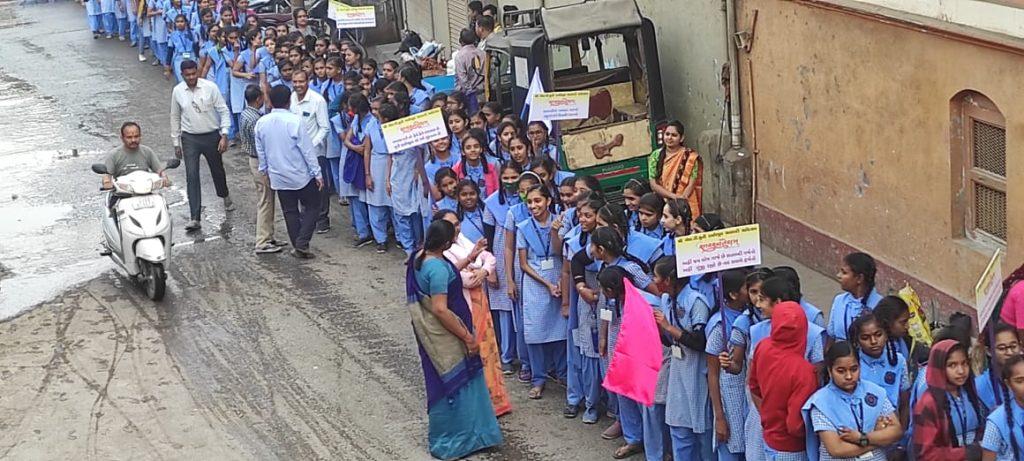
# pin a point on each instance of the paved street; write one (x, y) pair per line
(246, 358)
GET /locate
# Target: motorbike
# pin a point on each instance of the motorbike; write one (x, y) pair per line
(137, 228)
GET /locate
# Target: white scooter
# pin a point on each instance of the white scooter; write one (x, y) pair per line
(137, 229)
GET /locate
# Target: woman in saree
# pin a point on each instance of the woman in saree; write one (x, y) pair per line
(461, 417)
(476, 267)
(675, 171)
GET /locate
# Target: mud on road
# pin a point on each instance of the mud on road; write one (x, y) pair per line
(247, 357)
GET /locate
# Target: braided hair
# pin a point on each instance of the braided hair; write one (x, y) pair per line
(610, 278)
(1008, 368)
(864, 265)
(680, 208)
(664, 150)
(612, 243)
(615, 216)
(594, 203)
(459, 211)
(866, 318)
(638, 188)
(652, 202)
(886, 312)
(757, 276)
(479, 136)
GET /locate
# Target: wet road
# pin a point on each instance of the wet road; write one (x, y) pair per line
(246, 358)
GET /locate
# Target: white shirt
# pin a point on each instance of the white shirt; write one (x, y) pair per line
(198, 110)
(313, 111)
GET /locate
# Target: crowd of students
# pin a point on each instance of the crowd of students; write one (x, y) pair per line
(538, 258)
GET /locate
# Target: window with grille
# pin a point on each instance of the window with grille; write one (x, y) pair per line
(984, 162)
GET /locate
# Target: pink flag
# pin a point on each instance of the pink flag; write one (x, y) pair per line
(633, 371)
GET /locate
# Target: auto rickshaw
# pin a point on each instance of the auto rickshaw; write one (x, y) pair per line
(605, 47)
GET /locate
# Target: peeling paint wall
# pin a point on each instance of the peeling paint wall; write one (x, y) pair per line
(854, 137)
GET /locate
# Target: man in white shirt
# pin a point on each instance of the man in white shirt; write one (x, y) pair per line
(312, 108)
(286, 155)
(200, 121)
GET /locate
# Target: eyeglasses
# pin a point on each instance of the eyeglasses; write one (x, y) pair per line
(1004, 348)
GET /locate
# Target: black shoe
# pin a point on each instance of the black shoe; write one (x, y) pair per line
(323, 229)
(382, 248)
(279, 243)
(361, 242)
(571, 411)
(302, 254)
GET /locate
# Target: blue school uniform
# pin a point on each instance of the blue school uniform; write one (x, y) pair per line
(251, 64)
(814, 314)
(432, 164)
(990, 390)
(94, 12)
(220, 73)
(734, 403)
(473, 224)
(668, 244)
(446, 203)
(893, 378)
(377, 200)
(548, 150)
(107, 10)
(846, 308)
(543, 324)
(496, 214)
(687, 407)
(518, 213)
(831, 408)
(181, 43)
(332, 91)
(644, 248)
(407, 200)
(658, 232)
(419, 100)
(966, 420)
(629, 413)
(998, 432)
(583, 324)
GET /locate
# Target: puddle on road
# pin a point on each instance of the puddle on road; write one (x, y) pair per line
(22, 291)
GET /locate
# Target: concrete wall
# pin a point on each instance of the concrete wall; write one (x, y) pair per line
(854, 143)
(981, 14)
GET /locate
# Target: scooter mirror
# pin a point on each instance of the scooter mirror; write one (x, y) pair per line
(99, 168)
(173, 163)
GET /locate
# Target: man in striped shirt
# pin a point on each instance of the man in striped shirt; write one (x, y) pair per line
(265, 242)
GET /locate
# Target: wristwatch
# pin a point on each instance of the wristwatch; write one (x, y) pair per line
(863, 440)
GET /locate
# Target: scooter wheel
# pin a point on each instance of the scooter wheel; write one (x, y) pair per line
(155, 281)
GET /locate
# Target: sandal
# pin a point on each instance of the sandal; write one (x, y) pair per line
(525, 376)
(628, 450)
(535, 392)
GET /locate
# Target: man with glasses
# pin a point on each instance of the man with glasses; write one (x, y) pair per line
(200, 121)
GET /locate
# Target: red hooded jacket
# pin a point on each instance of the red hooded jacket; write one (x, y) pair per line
(934, 433)
(783, 379)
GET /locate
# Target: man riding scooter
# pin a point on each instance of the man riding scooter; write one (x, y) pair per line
(130, 157)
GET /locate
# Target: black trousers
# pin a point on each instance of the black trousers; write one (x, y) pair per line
(192, 147)
(300, 221)
(323, 217)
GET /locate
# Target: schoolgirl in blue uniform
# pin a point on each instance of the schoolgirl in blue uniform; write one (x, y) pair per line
(949, 416)
(813, 314)
(411, 77)
(631, 193)
(540, 142)
(675, 219)
(1004, 427)
(606, 246)
(458, 126)
(406, 187)
(375, 165)
(121, 16)
(161, 33)
(880, 363)
(642, 247)
(181, 44)
(108, 10)
(499, 144)
(356, 141)
(1001, 346)
(337, 151)
(221, 57)
(517, 214)
(94, 13)
(857, 279)
(440, 156)
(687, 406)
(334, 88)
(476, 163)
(583, 317)
(496, 210)
(519, 151)
(470, 210)
(849, 405)
(544, 326)
(728, 404)
(648, 213)
(446, 180)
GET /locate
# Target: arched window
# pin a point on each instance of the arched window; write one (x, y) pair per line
(979, 167)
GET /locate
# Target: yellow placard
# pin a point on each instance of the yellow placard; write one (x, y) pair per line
(414, 130)
(989, 289)
(560, 105)
(718, 250)
(352, 17)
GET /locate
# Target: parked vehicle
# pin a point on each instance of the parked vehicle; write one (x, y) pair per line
(137, 228)
(606, 48)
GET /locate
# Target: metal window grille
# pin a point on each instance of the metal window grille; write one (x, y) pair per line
(990, 211)
(989, 146)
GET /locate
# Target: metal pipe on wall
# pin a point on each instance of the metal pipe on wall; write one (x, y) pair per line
(735, 125)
